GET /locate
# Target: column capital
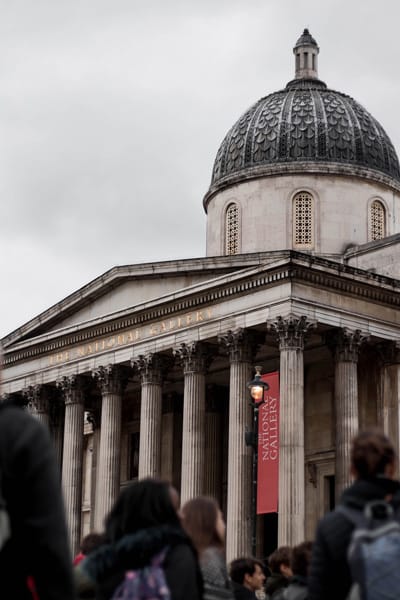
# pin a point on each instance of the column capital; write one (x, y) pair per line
(72, 388)
(389, 352)
(345, 344)
(151, 367)
(195, 357)
(38, 398)
(291, 331)
(241, 344)
(111, 379)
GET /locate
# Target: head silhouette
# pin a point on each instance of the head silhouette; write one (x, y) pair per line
(203, 522)
(372, 455)
(143, 504)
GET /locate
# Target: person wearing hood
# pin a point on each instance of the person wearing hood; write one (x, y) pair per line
(372, 465)
(142, 524)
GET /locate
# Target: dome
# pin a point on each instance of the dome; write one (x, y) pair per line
(305, 126)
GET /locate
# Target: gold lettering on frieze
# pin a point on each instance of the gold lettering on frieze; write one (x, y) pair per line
(130, 337)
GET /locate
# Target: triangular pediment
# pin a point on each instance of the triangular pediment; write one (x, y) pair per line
(123, 288)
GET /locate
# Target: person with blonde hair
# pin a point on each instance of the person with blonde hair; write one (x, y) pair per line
(203, 521)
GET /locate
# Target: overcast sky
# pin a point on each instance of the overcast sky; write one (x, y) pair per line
(112, 111)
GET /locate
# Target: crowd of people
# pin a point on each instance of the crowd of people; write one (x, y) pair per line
(152, 547)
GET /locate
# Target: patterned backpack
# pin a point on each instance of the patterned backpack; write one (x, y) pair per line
(147, 583)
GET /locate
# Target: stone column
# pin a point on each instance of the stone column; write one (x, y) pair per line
(291, 332)
(213, 446)
(150, 368)
(389, 397)
(111, 380)
(72, 389)
(241, 348)
(346, 346)
(194, 359)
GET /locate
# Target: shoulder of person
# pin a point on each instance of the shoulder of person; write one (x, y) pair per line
(213, 554)
(180, 553)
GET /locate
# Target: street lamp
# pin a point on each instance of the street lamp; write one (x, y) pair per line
(257, 389)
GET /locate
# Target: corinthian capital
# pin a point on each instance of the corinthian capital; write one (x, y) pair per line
(111, 379)
(72, 389)
(37, 397)
(151, 367)
(241, 344)
(389, 352)
(194, 357)
(291, 331)
(346, 343)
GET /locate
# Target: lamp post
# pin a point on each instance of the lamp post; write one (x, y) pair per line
(257, 388)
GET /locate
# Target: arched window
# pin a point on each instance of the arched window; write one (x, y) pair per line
(232, 229)
(377, 221)
(303, 220)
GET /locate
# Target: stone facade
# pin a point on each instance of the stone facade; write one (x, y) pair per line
(145, 371)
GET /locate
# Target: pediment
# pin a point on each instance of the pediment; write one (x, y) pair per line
(122, 288)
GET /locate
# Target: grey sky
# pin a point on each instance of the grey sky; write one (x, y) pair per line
(112, 112)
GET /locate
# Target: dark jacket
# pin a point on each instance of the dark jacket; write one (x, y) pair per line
(242, 593)
(39, 545)
(274, 584)
(329, 577)
(98, 575)
(296, 589)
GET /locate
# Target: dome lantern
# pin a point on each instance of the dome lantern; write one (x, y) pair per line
(306, 53)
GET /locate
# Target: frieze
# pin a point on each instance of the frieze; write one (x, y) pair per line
(130, 337)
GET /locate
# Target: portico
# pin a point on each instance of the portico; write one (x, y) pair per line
(160, 388)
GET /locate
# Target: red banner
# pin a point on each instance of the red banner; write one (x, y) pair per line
(268, 447)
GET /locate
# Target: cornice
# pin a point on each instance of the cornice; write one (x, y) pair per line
(320, 168)
(296, 266)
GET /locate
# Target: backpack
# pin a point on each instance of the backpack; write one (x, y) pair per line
(147, 583)
(374, 551)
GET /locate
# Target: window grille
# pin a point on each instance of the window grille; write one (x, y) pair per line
(377, 221)
(303, 222)
(232, 226)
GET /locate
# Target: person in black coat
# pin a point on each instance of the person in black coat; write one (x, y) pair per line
(372, 465)
(143, 523)
(38, 553)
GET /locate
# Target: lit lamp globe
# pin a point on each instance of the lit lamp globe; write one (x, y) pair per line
(257, 387)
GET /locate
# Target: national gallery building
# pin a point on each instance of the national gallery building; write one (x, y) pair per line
(144, 371)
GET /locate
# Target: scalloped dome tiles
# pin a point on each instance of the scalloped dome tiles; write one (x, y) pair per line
(308, 123)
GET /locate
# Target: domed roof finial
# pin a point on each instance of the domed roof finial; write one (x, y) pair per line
(306, 52)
